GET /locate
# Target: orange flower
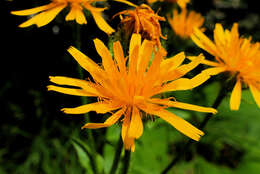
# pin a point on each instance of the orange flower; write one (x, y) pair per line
(235, 55)
(143, 20)
(184, 22)
(181, 3)
(128, 92)
(46, 13)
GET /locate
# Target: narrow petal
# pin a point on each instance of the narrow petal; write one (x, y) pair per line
(45, 17)
(184, 69)
(107, 60)
(215, 70)
(119, 56)
(203, 41)
(185, 83)
(181, 105)
(173, 62)
(80, 17)
(109, 122)
(136, 124)
(256, 94)
(177, 122)
(33, 10)
(235, 98)
(146, 51)
(176, 85)
(87, 86)
(101, 23)
(88, 64)
(128, 141)
(135, 41)
(98, 107)
(70, 91)
(126, 2)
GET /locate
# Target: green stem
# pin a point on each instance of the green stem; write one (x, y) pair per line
(117, 156)
(223, 92)
(126, 161)
(84, 101)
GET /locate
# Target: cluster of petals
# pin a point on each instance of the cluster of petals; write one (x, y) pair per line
(129, 87)
(236, 55)
(46, 13)
(183, 23)
(143, 20)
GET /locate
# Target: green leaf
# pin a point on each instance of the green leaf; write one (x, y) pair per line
(83, 158)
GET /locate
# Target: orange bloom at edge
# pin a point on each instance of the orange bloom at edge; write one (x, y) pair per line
(46, 13)
(235, 55)
(183, 23)
(130, 91)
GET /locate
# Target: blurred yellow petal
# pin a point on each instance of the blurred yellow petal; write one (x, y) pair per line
(256, 94)
(235, 98)
(101, 23)
(126, 2)
(33, 10)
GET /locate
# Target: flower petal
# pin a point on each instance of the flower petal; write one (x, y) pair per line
(235, 98)
(109, 122)
(128, 141)
(101, 23)
(215, 70)
(107, 60)
(88, 64)
(126, 2)
(256, 94)
(181, 105)
(33, 10)
(44, 17)
(136, 124)
(185, 84)
(70, 91)
(119, 56)
(87, 86)
(184, 69)
(177, 122)
(98, 107)
(135, 41)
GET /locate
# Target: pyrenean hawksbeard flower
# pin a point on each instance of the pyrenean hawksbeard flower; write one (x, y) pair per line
(128, 92)
(235, 55)
(183, 23)
(181, 3)
(46, 13)
(143, 20)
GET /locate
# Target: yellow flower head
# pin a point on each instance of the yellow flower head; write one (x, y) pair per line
(130, 91)
(46, 13)
(235, 55)
(143, 20)
(184, 22)
(181, 3)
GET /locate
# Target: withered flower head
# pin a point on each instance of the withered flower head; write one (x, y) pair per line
(142, 20)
